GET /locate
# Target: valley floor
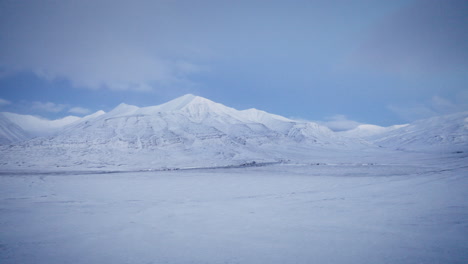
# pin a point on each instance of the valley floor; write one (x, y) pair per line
(282, 213)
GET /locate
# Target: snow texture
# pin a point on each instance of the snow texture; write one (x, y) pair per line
(325, 213)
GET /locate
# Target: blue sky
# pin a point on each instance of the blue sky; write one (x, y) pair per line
(339, 62)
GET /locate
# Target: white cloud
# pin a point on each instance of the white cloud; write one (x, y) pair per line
(79, 110)
(411, 113)
(48, 107)
(4, 102)
(340, 123)
(442, 105)
(436, 106)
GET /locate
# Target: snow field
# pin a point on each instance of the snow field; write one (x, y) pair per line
(274, 214)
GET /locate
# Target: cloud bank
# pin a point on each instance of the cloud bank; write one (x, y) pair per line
(119, 45)
(143, 44)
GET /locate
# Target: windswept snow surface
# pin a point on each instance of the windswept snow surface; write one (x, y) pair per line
(320, 213)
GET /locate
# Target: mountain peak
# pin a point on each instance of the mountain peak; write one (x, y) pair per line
(184, 102)
(123, 109)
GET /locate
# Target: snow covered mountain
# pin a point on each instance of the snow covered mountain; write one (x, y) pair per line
(189, 130)
(192, 131)
(436, 133)
(190, 118)
(37, 126)
(33, 126)
(368, 130)
(10, 132)
(449, 131)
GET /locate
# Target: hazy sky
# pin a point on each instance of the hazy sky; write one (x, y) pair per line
(342, 62)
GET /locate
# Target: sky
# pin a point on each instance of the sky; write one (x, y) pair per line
(338, 62)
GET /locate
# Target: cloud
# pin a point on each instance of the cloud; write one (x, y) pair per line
(48, 107)
(411, 113)
(4, 102)
(443, 106)
(434, 107)
(423, 37)
(146, 44)
(118, 45)
(79, 110)
(340, 123)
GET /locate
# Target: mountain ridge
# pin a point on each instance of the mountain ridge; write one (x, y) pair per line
(195, 131)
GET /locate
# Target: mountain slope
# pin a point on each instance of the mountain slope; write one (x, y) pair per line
(367, 130)
(10, 132)
(37, 126)
(440, 131)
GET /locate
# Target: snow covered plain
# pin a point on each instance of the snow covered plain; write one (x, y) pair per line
(404, 212)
